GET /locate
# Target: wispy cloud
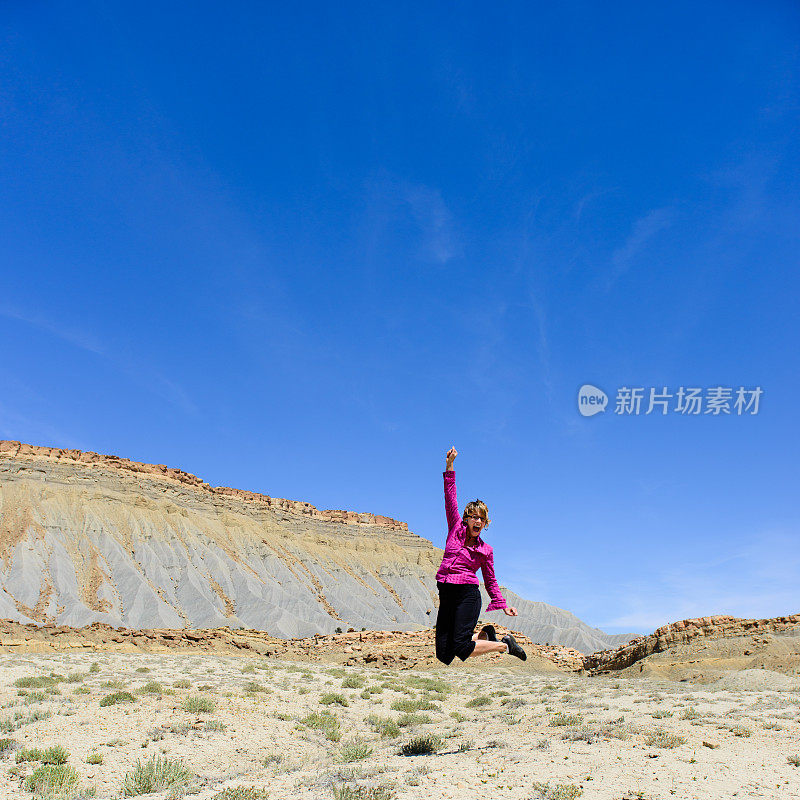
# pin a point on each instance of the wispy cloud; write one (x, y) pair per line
(25, 428)
(151, 379)
(644, 229)
(748, 581)
(139, 372)
(75, 337)
(393, 202)
(434, 220)
(543, 344)
(586, 199)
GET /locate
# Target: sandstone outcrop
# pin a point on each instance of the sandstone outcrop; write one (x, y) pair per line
(395, 649)
(703, 650)
(687, 632)
(19, 450)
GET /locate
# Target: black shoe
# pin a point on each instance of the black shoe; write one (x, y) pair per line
(490, 632)
(513, 648)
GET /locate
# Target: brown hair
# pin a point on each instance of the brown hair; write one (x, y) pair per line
(477, 507)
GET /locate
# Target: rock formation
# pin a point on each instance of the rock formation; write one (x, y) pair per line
(88, 538)
(688, 639)
(398, 649)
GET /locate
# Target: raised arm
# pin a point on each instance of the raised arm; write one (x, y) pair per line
(454, 523)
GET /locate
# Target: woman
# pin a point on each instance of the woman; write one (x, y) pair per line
(459, 597)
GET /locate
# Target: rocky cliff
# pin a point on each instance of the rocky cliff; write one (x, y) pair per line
(691, 639)
(90, 538)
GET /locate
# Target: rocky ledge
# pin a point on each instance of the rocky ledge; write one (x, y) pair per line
(398, 649)
(20, 450)
(681, 633)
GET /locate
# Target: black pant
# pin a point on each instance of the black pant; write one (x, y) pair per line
(459, 609)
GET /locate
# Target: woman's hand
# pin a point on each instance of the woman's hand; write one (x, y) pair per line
(451, 457)
(511, 611)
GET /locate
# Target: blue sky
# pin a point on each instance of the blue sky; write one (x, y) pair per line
(303, 250)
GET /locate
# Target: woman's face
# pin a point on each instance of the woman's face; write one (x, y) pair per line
(475, 524)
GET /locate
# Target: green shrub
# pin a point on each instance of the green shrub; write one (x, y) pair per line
(182, 684)
(385, 726)
(404, 720)
(198, 704)
(421, 746)
(413, 705)
(241, 793)
(115, 684)
(325, 722)
(28, 754)
(476, 702)
(254, 686)
(467, 744)
(10, 724)
(51, 779)
(331, 698)
(95, 667)
(353, 682)
(561, 791)
(54, 755)
(117, 697)
(36, 682)
(397, 687)
(565, 719)
(662, 738)
(436, 685)
(154, 775)
(143, 669)
(354, 750)
(7, 744)
(584, 733)
(348, 792)
(94, 758)
(152, 687)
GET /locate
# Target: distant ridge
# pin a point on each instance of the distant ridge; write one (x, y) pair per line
(19, 450)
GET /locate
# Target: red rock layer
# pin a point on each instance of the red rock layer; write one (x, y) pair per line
(19, 450)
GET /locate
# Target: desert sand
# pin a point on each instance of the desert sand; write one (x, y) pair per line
(304, 729)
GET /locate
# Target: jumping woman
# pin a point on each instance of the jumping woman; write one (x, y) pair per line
(459, 597)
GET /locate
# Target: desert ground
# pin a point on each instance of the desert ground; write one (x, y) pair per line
(110, 725)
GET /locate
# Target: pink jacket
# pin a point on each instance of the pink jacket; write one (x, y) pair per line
(460, 560)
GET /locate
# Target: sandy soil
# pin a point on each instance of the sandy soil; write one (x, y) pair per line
(617, 737)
